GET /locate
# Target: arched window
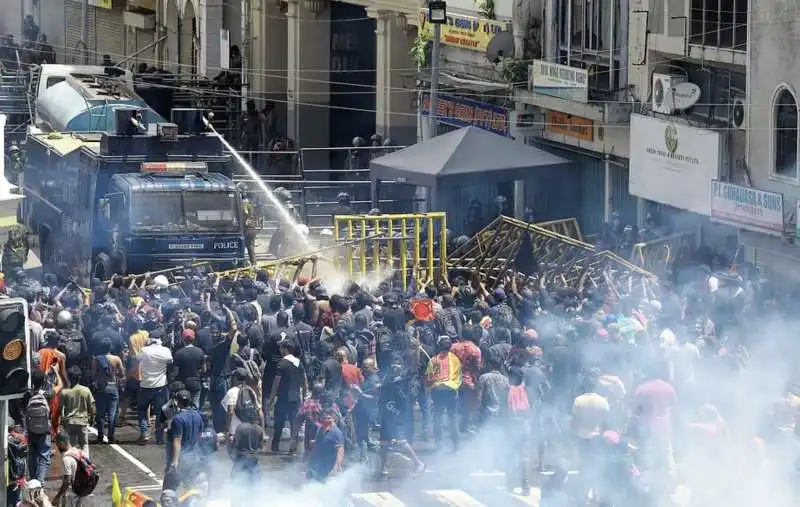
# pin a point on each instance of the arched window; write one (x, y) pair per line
(786, 134)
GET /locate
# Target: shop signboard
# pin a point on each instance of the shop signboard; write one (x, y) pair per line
(559, 123)
(460, 112)
(745, 207)
(673, 163)
(556, 80)
(466, 32)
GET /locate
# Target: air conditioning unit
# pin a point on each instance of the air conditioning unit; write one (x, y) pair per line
(663, 86)
(738, 113)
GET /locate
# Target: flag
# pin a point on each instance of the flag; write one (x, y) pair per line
(116, 492)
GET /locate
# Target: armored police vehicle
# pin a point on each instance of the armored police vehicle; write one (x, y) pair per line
(112, 187)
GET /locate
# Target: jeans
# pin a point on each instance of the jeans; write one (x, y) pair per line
(40, 450)
(155, 397)
(78, 436)
(219, 387)
(445, 400)
(107, 406)
(284, 411)
(245, 470)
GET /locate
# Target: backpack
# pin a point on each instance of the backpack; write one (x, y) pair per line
(246, 408)
(17, 455)
(249, 363)
(86, 475)
(518, 399)
(37, 415)
(366, 345)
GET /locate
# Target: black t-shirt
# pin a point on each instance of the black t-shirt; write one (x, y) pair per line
(204, 339)
(271, 352)
(291, 384)
(394, 398)
(117, 343)
(189, 361)
(219, 355)
(332, 370)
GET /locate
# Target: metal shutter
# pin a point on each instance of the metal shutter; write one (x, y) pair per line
(143, 38)
(109, 27)
(73, 21)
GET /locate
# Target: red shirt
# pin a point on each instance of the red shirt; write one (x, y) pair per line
(470, 356)
(351, 375)
(654, 401)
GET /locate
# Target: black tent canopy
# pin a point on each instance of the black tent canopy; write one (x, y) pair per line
(466, 156)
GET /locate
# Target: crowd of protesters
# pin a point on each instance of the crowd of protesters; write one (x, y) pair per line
(643, 381)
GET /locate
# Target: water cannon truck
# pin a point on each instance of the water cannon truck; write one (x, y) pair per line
(113, 187)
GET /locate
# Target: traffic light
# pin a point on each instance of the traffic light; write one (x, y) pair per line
(15, 363)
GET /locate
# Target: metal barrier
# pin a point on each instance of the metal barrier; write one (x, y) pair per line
(383, 245)
(566, 227)
(511, 246)
(658, 255)
(315, 185)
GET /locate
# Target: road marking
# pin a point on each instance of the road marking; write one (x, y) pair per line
(454, 498)
(135, 462)
(533, 499)
(382, 499)
(487, 474)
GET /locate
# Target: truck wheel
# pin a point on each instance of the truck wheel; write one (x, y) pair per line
(101, 268)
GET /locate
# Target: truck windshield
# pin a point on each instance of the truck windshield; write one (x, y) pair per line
(186, 212)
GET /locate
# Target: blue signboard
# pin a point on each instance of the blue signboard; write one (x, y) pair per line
(465, 112)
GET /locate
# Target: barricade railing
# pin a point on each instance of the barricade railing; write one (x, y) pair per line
(272, 163)
(658, 255)
(566, 227)
(413, 246)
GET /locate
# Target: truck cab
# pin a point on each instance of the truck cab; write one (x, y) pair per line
(165, 215)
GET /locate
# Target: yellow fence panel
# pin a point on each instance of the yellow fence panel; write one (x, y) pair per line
(385, 246)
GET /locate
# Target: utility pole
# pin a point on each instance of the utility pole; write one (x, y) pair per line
(85, 30)
(437, 16)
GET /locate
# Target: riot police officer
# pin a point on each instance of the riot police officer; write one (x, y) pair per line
(356, 159)
(251, 223)
(15, 250)
(377, 142)
(344, 206)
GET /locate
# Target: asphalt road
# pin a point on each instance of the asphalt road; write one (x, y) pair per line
(454, 480)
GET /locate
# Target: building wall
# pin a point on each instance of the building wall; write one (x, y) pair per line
(774, 61)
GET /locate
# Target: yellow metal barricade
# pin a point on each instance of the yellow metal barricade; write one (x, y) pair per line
(384, 246)
(658, 255)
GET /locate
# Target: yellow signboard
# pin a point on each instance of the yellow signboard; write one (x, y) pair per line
(463, 31)
(102, 4)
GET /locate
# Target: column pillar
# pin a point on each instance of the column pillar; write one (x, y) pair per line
(209, 24)
(308, 76)
(293, 66)
(383, 73)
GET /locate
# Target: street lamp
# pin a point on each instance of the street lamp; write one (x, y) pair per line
(437, 16)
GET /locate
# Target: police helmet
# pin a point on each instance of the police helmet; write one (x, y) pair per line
(376, 139)
(358, 142)
(63, 319)
(461, 241)
(388, 141)
(374, 212)
(284, 195)
(343, 198)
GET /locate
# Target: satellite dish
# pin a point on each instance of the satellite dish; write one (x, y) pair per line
(685, 95)
(501, 46)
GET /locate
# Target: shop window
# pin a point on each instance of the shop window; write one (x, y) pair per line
(785, 134)
(719, 23)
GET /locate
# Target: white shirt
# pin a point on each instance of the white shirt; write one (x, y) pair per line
(153, 361)
(230, 401)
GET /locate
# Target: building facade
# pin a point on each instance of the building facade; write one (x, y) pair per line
(772, 141)
(688, 77)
